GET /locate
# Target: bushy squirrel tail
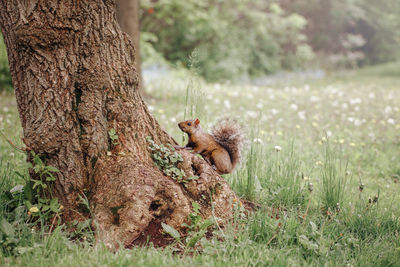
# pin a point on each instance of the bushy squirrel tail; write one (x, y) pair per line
(228, 133)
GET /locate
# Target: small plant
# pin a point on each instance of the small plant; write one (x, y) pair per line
(39, 198)
(82, 230)
(167, 159)
(113, 137)
(198, 227)
(28, 206)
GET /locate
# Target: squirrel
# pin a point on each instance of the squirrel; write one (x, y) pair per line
(221, 149)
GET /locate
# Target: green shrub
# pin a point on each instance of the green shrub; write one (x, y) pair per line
(233, 38)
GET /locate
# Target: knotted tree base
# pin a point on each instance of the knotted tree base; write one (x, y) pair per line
(132, 198)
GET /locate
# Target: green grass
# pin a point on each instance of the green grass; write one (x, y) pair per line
(310, 146)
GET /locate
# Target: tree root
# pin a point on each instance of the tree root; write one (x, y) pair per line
(131, 198)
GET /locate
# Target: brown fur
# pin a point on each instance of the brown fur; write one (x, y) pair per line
(221, 149)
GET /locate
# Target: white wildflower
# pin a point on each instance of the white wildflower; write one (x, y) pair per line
(252, 114)
(354, 101)
(235, 93)
(274, 111)
(258, 141)
(227, 104)
(357, 122)
(314, 99)
(391, 121)
(388, 109)
(293, 107)
(302, 115)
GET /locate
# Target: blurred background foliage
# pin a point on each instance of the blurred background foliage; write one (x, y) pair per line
(255, 37)
(249, 38)
(232, 38)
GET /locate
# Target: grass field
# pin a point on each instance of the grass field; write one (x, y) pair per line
(323, 160)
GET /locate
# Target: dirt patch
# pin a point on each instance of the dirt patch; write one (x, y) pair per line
(152, 234)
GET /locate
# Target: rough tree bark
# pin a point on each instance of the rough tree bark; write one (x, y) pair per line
(74, 80)
(128, 19)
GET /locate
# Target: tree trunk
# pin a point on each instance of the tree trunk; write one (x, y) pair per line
(74, 80)
(128, 19)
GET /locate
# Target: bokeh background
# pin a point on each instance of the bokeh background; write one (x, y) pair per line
(243, 39)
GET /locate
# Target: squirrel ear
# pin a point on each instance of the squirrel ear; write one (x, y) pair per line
(196, 121)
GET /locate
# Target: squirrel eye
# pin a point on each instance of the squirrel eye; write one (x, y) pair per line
(189, 123)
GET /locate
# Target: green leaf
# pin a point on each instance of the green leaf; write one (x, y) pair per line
(207, 223)
(20, 174)
(195, 238)
(45, 208)
(54, 205)
(196, 207)
(28, 204)
(171, 231)
(37, 160)
(50, 177)
(37, 183)
(112, 132)
(28, 191)
(7, 228)
(52, 169)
